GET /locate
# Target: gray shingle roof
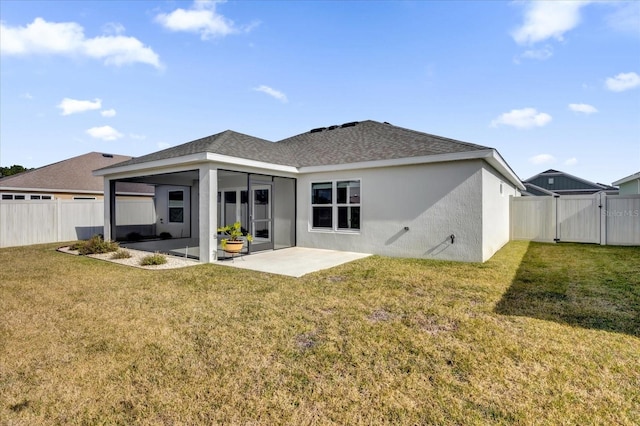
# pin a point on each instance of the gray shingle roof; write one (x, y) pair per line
(369, 141)
(73, 174)
(229, 143)
(358, 142)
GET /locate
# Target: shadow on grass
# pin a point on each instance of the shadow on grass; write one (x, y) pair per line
(589, 286)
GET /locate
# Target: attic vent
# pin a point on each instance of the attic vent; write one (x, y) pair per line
(351, 124)
(332, 127)
(319, 129)
(107, 155)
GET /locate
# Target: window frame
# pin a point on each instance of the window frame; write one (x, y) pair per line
(335, 206)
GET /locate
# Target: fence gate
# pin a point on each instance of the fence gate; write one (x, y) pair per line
(596, 218)
(578, 219)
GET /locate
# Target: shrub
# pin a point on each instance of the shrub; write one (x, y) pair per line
(121, 254)
(153, 259)
(96, 245)
(165, 236)
(134, 236)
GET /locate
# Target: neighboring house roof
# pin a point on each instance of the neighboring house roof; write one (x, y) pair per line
(627, 179)
(347, 144)
(536, 190)
(564, 183)
(73, 175)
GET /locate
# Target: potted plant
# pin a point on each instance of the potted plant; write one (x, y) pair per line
(234, 242)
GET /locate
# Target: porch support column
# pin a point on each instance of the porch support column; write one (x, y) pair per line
(109, 227)
(208, 211)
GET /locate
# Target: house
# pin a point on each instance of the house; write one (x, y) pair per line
(365, 186)
(68, 179)
(629, 185)
(555, 182)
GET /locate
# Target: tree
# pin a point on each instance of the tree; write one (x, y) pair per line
(13, 170)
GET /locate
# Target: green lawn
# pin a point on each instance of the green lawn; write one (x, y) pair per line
(540, 334)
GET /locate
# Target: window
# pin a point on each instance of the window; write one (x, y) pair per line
(550, 181)
(176, 206)
(336, 205)
(321, 200)
(27, 197)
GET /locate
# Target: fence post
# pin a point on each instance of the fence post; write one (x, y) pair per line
(58, 219)
(602, 210)
(555, 216)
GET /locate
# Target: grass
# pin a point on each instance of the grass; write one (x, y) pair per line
(540, 334)
(154, 259)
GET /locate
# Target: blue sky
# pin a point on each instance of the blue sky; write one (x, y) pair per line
(549, 84)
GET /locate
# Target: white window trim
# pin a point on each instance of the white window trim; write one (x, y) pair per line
(334, 207)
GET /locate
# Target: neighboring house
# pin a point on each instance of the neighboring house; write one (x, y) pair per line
(68, 179)
(363, 186)
(555, 182)
(629, 185)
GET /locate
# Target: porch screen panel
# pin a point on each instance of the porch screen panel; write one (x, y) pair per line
(284, 212)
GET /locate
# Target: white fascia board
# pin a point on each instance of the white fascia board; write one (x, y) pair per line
(150, 166)
(170, 165)
(236, 161)
(496, 160)
(627, 179)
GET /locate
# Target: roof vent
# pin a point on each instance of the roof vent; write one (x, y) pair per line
(107, 155)
(319, 129)
(386, 122)
(351, 124)
(332, 127)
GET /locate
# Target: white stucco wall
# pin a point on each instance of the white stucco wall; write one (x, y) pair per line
(495, 211)
(433, 200)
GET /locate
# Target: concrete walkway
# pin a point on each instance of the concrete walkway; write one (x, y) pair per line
(294, 261)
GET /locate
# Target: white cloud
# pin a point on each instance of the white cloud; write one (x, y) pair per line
(26, 95)
(272, 92)
(67, 38)
(522, 118)
(542, 159)
(202, 19)
(163, 145)
(106, 133)
(73, 106)
(108, 112)
(548, 19)
(583, 108)
(539, 54)
(571, 161)
(137, 137)
(623, 81)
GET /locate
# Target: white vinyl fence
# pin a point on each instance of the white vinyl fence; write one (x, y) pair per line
(598, 218)
(47, 221)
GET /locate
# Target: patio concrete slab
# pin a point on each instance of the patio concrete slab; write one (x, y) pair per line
(293, 261)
